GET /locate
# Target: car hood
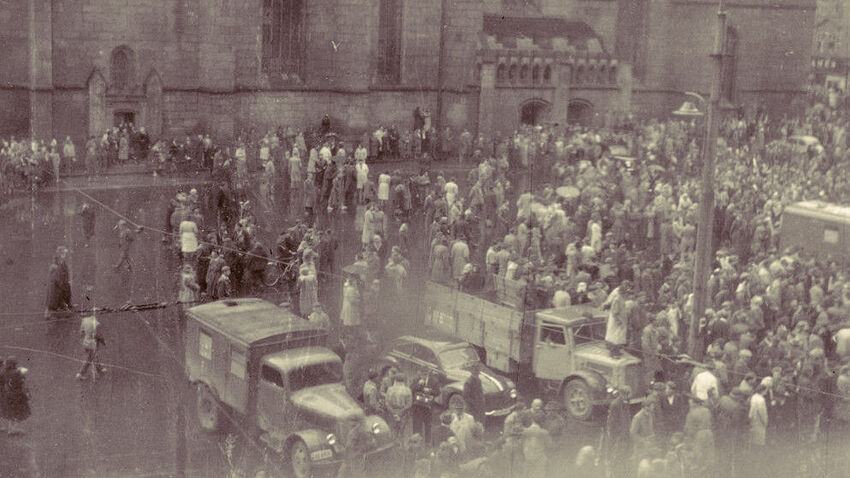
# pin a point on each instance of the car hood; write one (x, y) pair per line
(490, 382)
(329, 401)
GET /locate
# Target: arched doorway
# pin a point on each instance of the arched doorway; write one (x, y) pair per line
(580, 112)
(534, 112)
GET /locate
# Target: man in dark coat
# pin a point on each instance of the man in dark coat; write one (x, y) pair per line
(731, 424)
(87, 214)
(617, 437)
(473, 395)
(58, 285)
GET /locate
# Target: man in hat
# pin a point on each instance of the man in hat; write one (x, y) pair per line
(617, 437)
(642, 430)
(731, 424)
(473, 395)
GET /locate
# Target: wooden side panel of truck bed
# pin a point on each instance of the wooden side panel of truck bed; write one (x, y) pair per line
(496, 328)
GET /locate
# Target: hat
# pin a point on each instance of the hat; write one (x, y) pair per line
(456, 402)
(766, 382)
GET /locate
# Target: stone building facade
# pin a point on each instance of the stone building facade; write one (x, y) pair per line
(74, 68)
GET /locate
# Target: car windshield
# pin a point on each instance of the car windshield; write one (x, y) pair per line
(315, 375)
(459, 357)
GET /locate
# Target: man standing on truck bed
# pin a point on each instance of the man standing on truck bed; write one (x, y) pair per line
(617, 327)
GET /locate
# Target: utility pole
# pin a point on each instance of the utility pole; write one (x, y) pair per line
(437, 120)
(704, 253)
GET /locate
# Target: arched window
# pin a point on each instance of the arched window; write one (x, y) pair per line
(535, 73)
(579, 76)
(547, 74)
(389, 41)
(523, 72)
(501, 72)
(612, 74)
(730, 56)
(283, 37)
(512, 73)
(121, 68)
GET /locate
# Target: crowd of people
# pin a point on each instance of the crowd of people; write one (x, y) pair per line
(551, 217)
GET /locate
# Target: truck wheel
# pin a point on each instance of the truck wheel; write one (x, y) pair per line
(299, 460)
(209, 415)
(577, 400)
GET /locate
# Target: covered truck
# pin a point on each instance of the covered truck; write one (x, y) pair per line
(563, 349)
(261, 363)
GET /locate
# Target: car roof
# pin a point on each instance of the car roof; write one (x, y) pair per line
(249, 320)
(437, 344)
(572, 316)
(287, 360)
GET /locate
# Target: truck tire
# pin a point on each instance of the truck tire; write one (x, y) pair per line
(209, 413)
(298, 457)
(577, 399)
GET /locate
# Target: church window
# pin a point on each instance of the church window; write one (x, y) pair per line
(121, 68)
(728, 72)
(283, 37)
(390, 41)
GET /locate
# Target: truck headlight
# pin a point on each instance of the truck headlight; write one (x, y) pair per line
(376, 428)
(513, 393)
(331, 439)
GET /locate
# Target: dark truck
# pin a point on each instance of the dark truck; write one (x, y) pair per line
(272, 369)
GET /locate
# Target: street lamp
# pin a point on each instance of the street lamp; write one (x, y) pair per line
(704, 253)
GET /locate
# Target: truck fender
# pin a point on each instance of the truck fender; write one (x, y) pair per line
(383, 435)
(313, 438)
(595, 381)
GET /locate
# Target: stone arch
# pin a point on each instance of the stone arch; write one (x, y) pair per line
(122, 68)
(97, 103)
(579, 111)
(534, 111)
(153, 103)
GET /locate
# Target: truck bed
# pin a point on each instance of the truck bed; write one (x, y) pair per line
(499, 329)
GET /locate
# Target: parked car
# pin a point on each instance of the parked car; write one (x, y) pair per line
(453, 361)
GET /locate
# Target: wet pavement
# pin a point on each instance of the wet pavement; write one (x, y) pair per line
(129, 421)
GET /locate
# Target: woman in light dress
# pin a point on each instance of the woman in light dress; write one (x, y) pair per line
(188, 239)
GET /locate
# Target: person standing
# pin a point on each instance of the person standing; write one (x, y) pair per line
(91, 339)
(69, 153)
(536, 443)
(642, 431)
(56, 162)
(91, 156)
(399, 401)
(460, 257)
(462, 423)
(59, 284)
(188, 239)
(189, 288)
(123, 148)
(223, 286)
(16, 397)
(758, 426)
(126, 235)
(473, 395)
(425, 390)
(88, 216)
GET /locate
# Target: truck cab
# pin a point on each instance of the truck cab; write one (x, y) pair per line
(273, 368)
(571, 358)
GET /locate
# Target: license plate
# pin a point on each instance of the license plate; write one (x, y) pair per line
(321, 455)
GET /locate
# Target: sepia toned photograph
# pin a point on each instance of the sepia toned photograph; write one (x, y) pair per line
(424, 238)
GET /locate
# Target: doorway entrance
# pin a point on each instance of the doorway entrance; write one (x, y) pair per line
(580, 112)
(120, 118)
(534, 112)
